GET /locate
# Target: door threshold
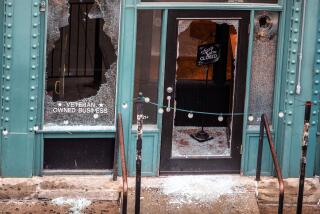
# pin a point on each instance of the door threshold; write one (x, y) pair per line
(77, 172)
(208, 172)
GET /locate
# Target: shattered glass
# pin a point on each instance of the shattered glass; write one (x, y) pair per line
(192, 89)
(263, 65)
(96, 106)
(58, 15)
(228, 1)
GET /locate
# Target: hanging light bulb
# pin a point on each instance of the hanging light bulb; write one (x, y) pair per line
(160, 110)
(146, 99)
(250, 118)
(5, 132)
(281, 114)
(124, 105)
(220, 118)
(190, 115)
(95, 116)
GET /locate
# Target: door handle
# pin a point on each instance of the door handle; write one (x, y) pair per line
(57, 87)
(169, 104)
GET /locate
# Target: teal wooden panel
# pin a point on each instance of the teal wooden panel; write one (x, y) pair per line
(19, 77)
(38, 155)
(317, 167)
(1, 33)
(126, 69)
(309, 50)
(38, 149)
(250, 156)
(1, 57)
(21, 46)
(248, 81)
(293, 103)
(315, 130)
(150, 154)
(290, 77)
(17, 150)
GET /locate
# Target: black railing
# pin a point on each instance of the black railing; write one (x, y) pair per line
(264, 126)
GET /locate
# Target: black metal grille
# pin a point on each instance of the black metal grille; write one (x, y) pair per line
(77, 52)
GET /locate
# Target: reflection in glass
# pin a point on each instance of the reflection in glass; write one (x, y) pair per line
(147, 61)
(206, 88)
(81, 68)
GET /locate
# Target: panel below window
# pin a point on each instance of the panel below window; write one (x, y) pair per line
(78, 154)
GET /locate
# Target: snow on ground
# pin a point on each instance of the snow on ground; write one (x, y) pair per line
(76, 205)
(183, 145)
(199, 188)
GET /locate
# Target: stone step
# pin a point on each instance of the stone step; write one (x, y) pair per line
(268, 195)
(51, 187)
(61, 206)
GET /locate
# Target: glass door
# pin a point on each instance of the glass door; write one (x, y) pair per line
(204, 91)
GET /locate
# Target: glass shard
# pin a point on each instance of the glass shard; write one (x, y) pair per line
(263, 65)
(81, 63)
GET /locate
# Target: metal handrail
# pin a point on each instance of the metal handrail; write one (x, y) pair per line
(264, 125)
(120, 139)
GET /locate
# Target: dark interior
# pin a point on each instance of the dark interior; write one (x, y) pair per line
(78, 154)
(192, 92)
(80, 57)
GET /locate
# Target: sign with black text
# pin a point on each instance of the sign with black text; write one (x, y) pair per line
(208, 54)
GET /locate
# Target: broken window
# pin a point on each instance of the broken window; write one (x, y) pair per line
(82, 49)
(198, 87)
(263, 65)
(229, 1)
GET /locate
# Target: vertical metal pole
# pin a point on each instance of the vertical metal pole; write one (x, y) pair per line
(303, 161)
(260, 147)
(97, 55)
(78, 31)
(140, 118)
(86, 41)
(281, 200)
(70, 35)
(204, 102)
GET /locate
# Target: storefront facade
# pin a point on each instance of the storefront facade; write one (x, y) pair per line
(68, 68)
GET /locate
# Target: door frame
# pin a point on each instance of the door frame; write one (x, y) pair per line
(230, 164)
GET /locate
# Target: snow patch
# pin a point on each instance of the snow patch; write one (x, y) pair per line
(76, 204)
(193, 189)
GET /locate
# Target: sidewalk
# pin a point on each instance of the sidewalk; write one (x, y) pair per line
(198, 194)
(189, 194)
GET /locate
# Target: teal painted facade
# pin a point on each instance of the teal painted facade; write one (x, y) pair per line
(316, 89)
(22, 86)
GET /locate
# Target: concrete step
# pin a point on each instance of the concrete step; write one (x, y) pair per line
(268, 195)
(196, 194)
(50, 187)
(60, 194)
(58, 207)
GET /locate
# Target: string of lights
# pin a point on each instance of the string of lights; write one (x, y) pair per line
(250, 115)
